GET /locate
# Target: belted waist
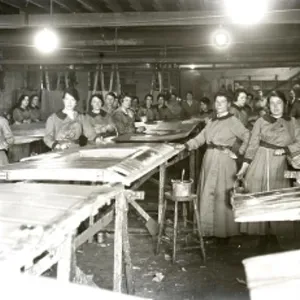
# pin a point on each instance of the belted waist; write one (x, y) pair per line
(270, 146)
(219, 147)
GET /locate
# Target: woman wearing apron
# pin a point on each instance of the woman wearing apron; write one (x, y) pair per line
(218, 169)
(273, 136)
(64, 128)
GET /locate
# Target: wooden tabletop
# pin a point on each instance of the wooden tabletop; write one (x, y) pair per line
(34, 215)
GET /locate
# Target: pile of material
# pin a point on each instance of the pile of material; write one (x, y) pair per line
(276, 205)
(275, 276)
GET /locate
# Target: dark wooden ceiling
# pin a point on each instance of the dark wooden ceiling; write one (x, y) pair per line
(147, 31)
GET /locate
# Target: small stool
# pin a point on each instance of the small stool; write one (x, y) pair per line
(193, 198)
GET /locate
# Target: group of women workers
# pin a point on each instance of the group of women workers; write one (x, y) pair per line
(262, 152)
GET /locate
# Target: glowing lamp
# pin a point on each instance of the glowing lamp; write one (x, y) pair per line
(192, 67)
(221, 39)
(46, 41)
(246, 11)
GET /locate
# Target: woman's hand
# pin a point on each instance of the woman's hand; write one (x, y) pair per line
(242, 170)
(64, 146)
(140, 129)
(99, 140)
(279, 152)
(179, 146)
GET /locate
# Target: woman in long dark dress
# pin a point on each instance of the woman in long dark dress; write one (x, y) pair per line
(273, 136)
(219, 168)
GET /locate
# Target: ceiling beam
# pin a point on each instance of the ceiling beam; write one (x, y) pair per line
(113, 5)
(136, 5)
(88, 5)
(290, 60)
(39, 5)
(134, 19)
(66, 5)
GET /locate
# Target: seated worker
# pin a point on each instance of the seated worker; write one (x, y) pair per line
(148, 110)
(35, 111)
(190, 107)
(163, 111)
(109, 103)
(124, 117)
(99, 119)
(64, 128)
(21, 114)
(174, 106)
(206, 112)
(6, 140)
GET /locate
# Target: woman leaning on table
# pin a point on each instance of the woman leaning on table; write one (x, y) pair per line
(64, 128)
(219, 169)
(273, 136)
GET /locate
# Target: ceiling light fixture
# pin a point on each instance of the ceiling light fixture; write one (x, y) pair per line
(221, 38)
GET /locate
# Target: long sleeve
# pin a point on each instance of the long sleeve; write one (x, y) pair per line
(241, 132)
(49, 138)
(295, 146)
(197, 141)
(17, 115)
(254, 141)
(88, 130)
(122, 124)
(7, 138)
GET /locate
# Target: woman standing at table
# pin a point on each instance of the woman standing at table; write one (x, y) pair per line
(124, 117)
(64, 128)
(35, 111)
(6, 140)
(99, 119)
(218, 169)
(149, 111)
(164, 112)
(273, 136)
(21, 114)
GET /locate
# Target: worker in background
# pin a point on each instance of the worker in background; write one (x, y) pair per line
(34, 108)
(164, 112)
(109, 103)
(148, 112)
(135, 106)
(65, 127)
(6, 140)
(99, 119)
(295, 107)
(238, 106)
(174, 106)
(190, 107)
(21, 113)
(206, 112)
(124, 117)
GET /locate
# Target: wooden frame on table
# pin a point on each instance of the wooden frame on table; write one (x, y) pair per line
(57, 242)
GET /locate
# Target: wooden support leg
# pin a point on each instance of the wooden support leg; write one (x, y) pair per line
(127, 258)
(162, 180)
(184, 215)
(199, 228)
(118, 243)
(161, 227)
(175, 231)
(91, 223)
(67, 264)
(193, 168)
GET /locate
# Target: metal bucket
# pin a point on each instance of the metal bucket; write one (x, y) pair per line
(182, 188)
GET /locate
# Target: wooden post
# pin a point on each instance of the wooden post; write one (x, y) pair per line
(161, 195)
(111, 80)
(192, 162)
(102, 79)
(58, 81)
(47, 79)
(66, 79)
(118, 243)
(96, 77)
(126, 252)
(118, 81)
(67, 263)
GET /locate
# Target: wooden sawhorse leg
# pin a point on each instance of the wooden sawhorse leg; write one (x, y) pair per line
(121, 245)
(162, 182)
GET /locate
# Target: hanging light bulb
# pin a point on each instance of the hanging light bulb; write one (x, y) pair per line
(221, 38)
(246, 11)
(46, 40)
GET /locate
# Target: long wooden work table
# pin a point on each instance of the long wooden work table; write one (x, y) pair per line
(39, 215)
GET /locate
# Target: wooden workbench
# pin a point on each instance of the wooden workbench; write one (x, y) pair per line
(40, 220)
